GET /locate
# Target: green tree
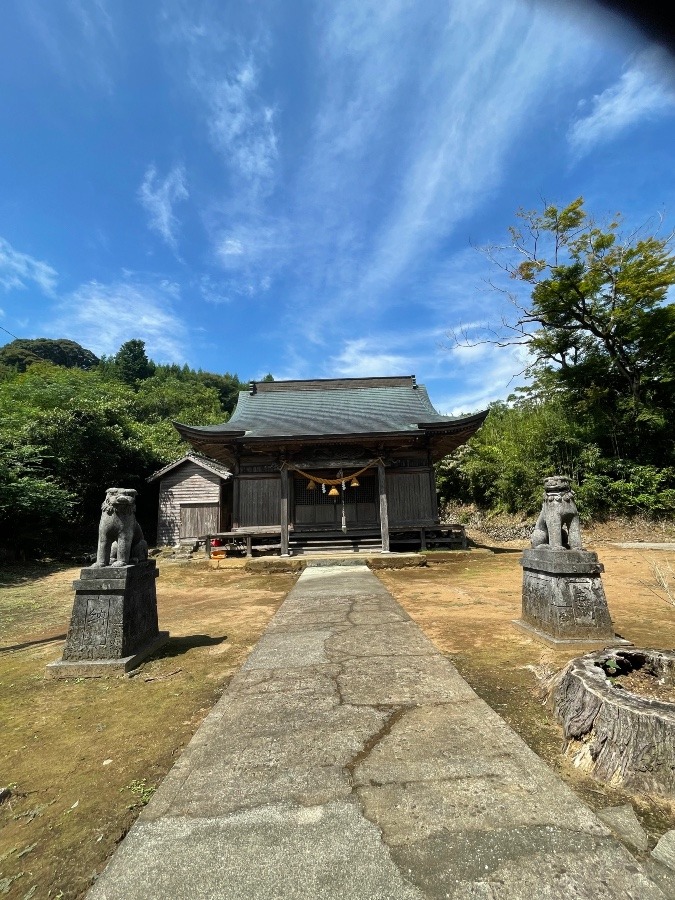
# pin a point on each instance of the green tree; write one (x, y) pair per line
(596, 319)
(521, 442)
(131, 364)
(597, 323)
(21, 353)
(169, 396)
(33, 506)
(594, 294)
(504, 464)
(65, 436)
(227, 385)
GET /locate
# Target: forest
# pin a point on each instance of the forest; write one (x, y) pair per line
(71, 425)
(595, 317)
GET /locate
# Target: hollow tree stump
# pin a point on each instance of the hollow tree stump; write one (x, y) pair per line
(617, 736)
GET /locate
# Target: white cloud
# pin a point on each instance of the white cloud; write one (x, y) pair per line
(484, 374)
(19, 270)
(484, 95)
(484, 378)
(103, 316)
(363, 357)
(214, 292)
(227, 66)
(645, 90)
(224, 72)
(241, 124)
(159, 197)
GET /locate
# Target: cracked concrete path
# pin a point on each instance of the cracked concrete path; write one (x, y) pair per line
(348, 760)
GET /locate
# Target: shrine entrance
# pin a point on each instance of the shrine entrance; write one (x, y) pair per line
(314, 508)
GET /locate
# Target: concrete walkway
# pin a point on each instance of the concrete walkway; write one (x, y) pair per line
(348, 760)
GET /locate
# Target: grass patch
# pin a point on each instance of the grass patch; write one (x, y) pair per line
(83, 756)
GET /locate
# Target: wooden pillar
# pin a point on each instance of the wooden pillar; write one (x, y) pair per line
(384, 514)
(284, 510)
(235, 496)
(434, 495)
(432, 484)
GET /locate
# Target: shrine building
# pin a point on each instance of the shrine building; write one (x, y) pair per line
(326, 462)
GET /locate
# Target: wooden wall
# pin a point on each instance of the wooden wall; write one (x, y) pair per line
(259, 501)
(411, 498)
(197, 492)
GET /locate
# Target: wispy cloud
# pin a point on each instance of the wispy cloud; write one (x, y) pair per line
(103, 316)
(78, 37)
(485, 372)
(408, 144)
(645, 90)
(363, 357)
(224, 73)
(241, 124)
(19, 270)
(485, 376)
(159, 196)
(483, 96)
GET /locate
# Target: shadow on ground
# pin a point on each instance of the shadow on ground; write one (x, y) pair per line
(177, 646)
(45, 640)
(18, 573)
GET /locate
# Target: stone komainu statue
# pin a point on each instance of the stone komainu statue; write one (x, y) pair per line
(558, 524)
(120, 539)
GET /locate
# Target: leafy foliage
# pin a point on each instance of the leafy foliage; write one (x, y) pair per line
(130, 364)
(20, 354)
(67, 433)
(601, 337)
(503, 466)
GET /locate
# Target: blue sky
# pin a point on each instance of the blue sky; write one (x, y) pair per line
(300, 187)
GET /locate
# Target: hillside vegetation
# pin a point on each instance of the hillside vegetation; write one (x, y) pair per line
(600, 332)
(72, 425)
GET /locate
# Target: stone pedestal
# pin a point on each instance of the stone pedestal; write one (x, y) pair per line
(563, 597)
(113, 626)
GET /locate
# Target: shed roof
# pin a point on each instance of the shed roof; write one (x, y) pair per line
(209, 464)
(332, 408)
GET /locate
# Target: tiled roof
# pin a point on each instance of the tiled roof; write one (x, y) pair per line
(329, 407)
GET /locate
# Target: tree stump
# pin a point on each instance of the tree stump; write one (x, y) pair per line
(615, 735)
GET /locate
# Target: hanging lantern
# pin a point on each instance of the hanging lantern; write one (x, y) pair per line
(333, 492)
(311, 486)
(354, 482)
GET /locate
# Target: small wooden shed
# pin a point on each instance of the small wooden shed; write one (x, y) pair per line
(195, 498)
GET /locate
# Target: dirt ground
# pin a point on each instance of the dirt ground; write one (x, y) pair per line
(466, 607)
(81, 756)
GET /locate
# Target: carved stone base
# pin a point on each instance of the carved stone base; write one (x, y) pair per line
(114, 621)
(563, 596)
(102, 668)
